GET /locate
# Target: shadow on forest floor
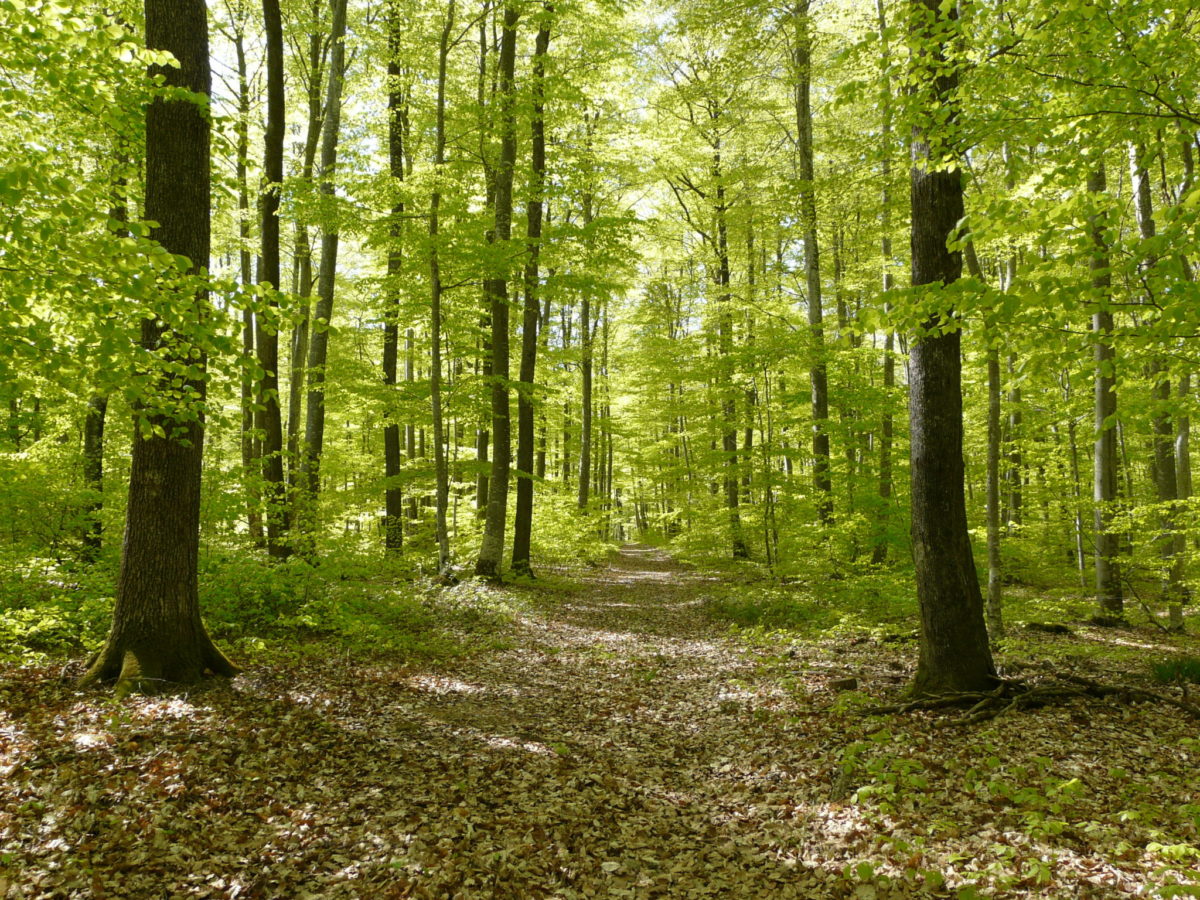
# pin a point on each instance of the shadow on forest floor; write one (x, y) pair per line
(622, 744)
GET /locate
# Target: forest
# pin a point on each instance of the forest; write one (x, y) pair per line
(579, 448)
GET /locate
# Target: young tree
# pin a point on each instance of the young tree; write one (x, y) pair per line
(954, 652)
(157, 635)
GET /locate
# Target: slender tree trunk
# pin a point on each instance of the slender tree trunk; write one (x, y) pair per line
(318, 350)
(393, 528)
(1166, 485)
(249, 388)
(93, 475)
(157, 635)
(954, 652)
(487, 565)
(887, 425)
(802, 60)
(267, 333)
(585, 364)
(441, 470)
(317, 54)
(995, 617)
(1108, 577)
(523, 519)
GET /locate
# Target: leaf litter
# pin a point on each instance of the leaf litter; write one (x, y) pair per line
(619, 745)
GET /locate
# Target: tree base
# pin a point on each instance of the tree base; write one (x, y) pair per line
(154, 670)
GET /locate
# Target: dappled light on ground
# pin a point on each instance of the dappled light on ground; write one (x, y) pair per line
(621, 744)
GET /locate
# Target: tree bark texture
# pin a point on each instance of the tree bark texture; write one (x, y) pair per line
(954, 652)
(157, 635)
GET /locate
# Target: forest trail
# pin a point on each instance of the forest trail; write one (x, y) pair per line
(618, 745)
(608, 740)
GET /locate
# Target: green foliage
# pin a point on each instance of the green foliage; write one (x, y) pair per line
(1177, 670)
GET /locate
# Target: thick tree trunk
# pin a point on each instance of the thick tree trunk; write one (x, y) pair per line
(157, 635)
(523, 517)
(492, 547)
(318, 350)
(267, 333)
(954, 654)
(1108, 577)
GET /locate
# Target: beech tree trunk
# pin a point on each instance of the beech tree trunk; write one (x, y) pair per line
(492, 547)
(954, 652)
(887, 425)
(318, 349)
(526, 436)
(157, 635)
(819, 377)
(441, 470)
(393, 523)
(267, 333)
(1108, 576)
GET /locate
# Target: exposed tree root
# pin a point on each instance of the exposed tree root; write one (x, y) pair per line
(1012, 695)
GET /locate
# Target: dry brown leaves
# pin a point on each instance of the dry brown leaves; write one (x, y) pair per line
(622, 747)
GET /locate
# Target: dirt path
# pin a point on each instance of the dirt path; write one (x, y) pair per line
(619, 747)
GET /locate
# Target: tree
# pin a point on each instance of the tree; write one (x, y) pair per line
(267, 332)
(523, 516)
(487, 565)
(954, 652)
(157, 634)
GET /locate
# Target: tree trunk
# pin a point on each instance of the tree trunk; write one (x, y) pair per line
(887, 425)
(267, 333)
(318, 350)
(249, 388)
(585, 364)
(492, 547)
(93, 475)
(441, 471)
(393, 527)
(526, 437)
(802, 60)
(1108, 577)
(954, 652)
(157, 635)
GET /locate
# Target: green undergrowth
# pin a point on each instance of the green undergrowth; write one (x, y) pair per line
(50, 609)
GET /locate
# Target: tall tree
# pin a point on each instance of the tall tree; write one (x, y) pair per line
(318, 349)
(393, 526)
(491, 550)
(523, 517)
(1108, 577)
(954, 652)
(157, 635)
(818, 373)
(267, 331)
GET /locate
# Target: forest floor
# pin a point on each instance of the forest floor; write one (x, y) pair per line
(618, 742)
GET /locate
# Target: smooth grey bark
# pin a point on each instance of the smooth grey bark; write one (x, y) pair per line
(586, 350)
(1104, 482)
(954, 652)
